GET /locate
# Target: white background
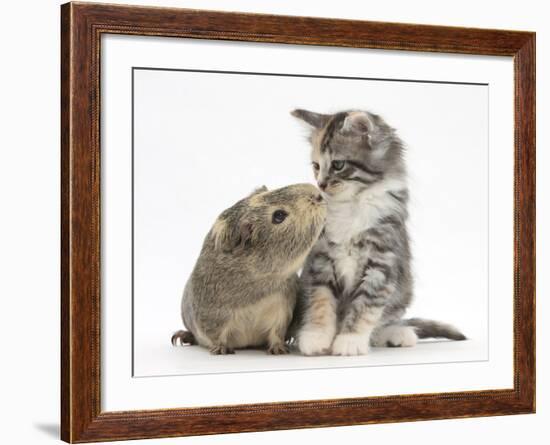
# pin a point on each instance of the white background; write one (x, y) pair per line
(30, 166)
(121, 392)
(204, 140)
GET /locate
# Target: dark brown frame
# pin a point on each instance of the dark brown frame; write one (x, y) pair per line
(82, 25)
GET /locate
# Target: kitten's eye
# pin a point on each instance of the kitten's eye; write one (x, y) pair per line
(279, 216)
(338, 165)
(315, 165)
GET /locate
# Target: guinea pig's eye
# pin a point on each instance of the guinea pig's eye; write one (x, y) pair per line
(315, 166)
(279, 216)
(338, 165)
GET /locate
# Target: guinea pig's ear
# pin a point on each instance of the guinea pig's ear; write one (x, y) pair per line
(228, 237)
(258, 190)
(316, 120)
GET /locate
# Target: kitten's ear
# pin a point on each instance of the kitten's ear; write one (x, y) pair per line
(228, 237)
(357, 122)
(316, 120)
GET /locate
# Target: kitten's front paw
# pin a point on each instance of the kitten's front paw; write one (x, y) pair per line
(314, 342)
(350, 344)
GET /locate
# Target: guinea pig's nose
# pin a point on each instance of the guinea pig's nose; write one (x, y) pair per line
(319, 198)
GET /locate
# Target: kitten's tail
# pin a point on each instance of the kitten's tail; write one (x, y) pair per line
(183, 337)
(434, 329)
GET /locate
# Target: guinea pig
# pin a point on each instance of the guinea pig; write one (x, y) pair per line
(243, 288)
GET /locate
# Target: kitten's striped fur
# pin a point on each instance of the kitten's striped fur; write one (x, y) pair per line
(357, 279)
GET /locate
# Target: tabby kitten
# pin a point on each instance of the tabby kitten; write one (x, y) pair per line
(357, 279)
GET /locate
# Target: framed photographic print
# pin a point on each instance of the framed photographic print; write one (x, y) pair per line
(275, 222)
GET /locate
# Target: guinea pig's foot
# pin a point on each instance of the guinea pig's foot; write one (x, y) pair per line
(183, 337)
(278, 349)
(221, 350)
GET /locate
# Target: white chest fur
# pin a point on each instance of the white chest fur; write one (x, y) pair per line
(346, 264)
(348, 219)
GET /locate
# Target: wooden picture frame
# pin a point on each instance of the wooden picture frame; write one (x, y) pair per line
(82, 25)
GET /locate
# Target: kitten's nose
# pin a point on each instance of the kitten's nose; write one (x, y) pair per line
(323, 185)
